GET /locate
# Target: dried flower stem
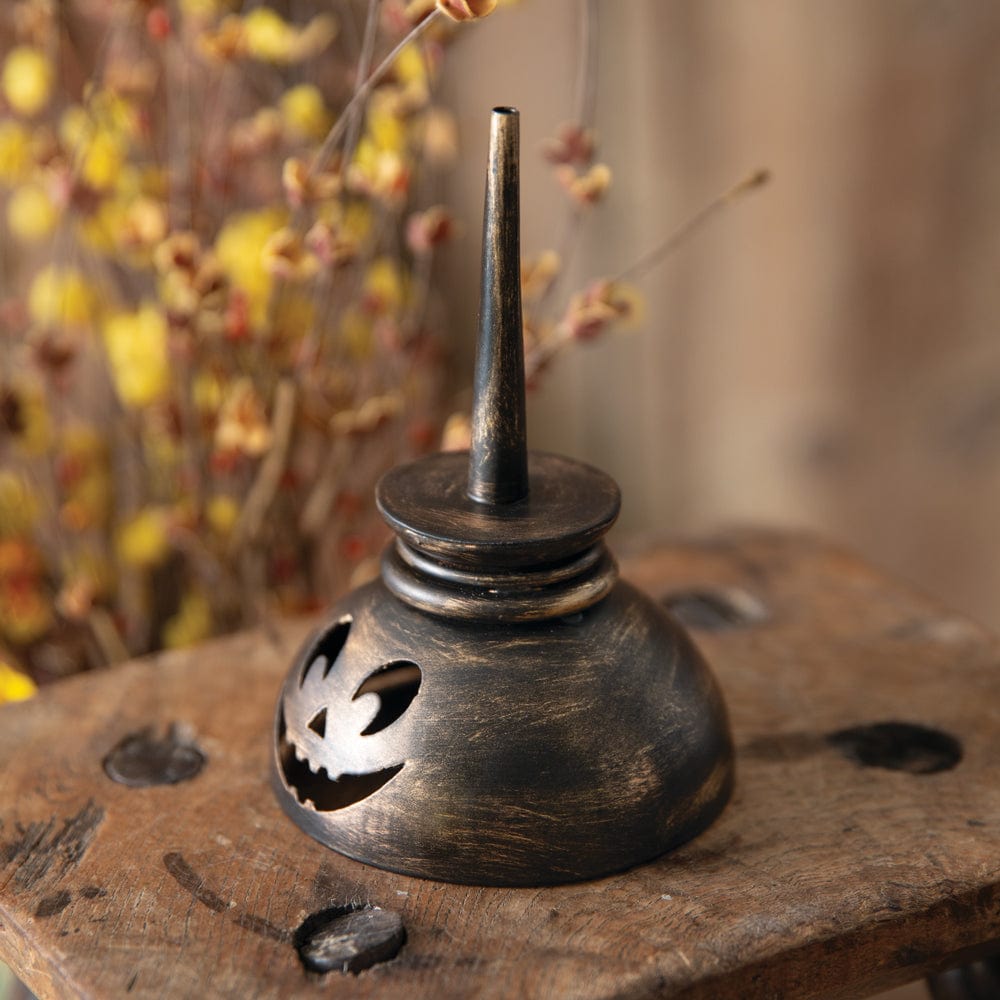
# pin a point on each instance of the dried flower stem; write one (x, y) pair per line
(271, 468)
(585, 101)
(543, 353)
(311, 346)
(364, 67)
(109, 642)
(586, 80)
(361, 92)
(317, 507)
(687, 229)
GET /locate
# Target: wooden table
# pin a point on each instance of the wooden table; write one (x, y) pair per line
(844, 864)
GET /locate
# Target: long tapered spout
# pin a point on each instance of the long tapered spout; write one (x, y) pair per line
(498, 460)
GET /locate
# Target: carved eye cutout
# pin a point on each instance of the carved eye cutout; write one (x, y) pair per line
(328, 648)
(396, 685)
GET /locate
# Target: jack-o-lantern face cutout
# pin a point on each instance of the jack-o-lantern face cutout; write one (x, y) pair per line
(332, 740)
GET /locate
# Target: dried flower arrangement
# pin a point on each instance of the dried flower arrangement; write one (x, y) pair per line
(217, 320)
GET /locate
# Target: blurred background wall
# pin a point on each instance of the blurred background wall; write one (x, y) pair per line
(826, 354)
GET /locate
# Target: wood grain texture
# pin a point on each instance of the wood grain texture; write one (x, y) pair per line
(823, 878)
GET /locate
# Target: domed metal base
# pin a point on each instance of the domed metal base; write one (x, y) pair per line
(506, 754)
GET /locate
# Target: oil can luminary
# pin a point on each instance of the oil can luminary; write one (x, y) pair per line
(499, 707)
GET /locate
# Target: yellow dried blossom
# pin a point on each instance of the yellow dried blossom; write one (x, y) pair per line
(226, 41)
(294, 314)
(304, 112)
(191, 624)
(385, 128)
(384, 286)
(88, 576)
(61, 296)
(268, 36)
(440, 139)
(206, 391)
(410, 71)
(337, 239)
(179, 250)
(303, 185)
(204, 9)
(74, 126)
(356, 334)
(285, 255)
(18, 505)
(145, 223)
(113, 112)
(222, 513)
(457, 433)
(383, 174)
(15, 151)
(604, 303)
(14, 685)
(136, 345)
(243, 423)
(89, 502)
(357, 222)
(101, 159)
(76, 598)
(99, 231)
(410, 67)
(177, 294)
(83, 444)
(98, 137)
(26, 80)
(84, 475)
(240, 250)
(588, 187)
(25, 613)
(144, 540)
(261, 132)
(538, 274)
(30, 213)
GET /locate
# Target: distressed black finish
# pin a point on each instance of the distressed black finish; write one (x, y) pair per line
(499, 708)
(498, 470)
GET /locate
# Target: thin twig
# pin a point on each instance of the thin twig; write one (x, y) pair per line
(587, 67)
(271, 468)
(102, 627)
(364, 66)
(686, 229)
(361, 93)
(542, 354)
(317, 506)
(584, 106)
(311, 344)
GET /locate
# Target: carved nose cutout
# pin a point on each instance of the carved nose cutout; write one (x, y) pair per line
(318, 723)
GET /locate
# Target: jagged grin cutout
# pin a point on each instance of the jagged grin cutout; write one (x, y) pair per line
(333, 745)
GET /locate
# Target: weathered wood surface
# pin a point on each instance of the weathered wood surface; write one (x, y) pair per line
(823, 877)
